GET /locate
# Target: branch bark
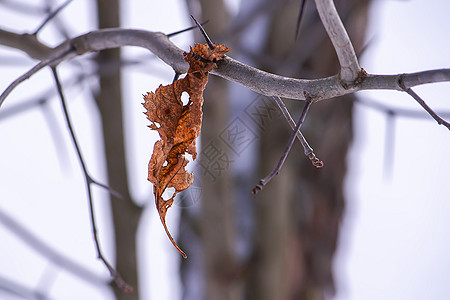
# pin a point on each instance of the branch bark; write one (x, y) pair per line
(27, 43)
(338, 34)
(252, 78)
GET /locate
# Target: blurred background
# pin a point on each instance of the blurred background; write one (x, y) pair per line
(372, 223)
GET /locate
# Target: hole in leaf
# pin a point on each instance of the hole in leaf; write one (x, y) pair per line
(185, 98)
(157, 124)
(189, 157)
(168, 193)
(165, 164)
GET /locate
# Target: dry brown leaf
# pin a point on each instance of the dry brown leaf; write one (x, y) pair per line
(178, 126)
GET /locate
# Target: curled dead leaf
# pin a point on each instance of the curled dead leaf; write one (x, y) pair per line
(178, 126)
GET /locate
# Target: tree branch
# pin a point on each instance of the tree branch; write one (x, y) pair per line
(27, 43)
(254, 79)
(390, 82)
(336, 31)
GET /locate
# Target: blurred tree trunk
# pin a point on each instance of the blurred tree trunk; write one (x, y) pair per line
(126, 214)
(215, 221)
(299, 213)
(296, 217)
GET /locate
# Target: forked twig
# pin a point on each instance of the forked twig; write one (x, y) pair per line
(88, 181)
(309, 152)
(277, 169)
(422, 103)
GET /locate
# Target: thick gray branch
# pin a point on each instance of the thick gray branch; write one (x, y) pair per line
(254, 79)
(336, 31)
(26, 42)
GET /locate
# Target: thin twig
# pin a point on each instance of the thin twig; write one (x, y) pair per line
(300, 17)
(309, 152)
(205, 35)
(28, 74)
(88, 181)
(169, 35)
(51, 16)
(25, 76)
(422, 103)
(277, 169)
(40, 100)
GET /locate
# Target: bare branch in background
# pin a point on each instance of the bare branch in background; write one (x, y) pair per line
(42, 103)
(88, 182)
(27, 75)
(300, 17)
(23, 7)
(391, 115)
(17, 289)
(46, 251)
(389, 144)
(51, 16)
(401, 112)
